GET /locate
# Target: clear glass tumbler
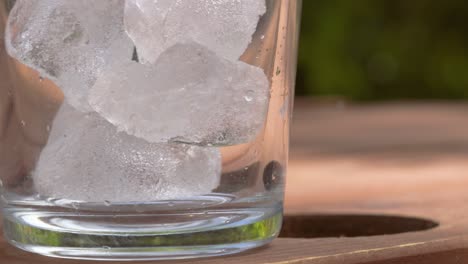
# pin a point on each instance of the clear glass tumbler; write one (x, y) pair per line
(144, 129)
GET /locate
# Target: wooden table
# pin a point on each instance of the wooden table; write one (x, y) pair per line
(351, 169)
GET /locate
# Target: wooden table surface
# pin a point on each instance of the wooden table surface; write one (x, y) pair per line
(353, 167)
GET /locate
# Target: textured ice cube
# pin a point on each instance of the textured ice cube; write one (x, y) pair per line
(190, 95)
(87, 159)
(68, 41)
(225, 26)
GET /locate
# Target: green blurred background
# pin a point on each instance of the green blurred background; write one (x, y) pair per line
(384, 49)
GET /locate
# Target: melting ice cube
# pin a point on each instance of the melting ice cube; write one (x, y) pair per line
(68, 41)
(87, 159)
(224, 26)
(190, 95)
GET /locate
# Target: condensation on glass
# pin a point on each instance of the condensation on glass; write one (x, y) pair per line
(136, 129)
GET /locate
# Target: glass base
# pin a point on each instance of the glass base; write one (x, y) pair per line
(142, 236)
(142, 253)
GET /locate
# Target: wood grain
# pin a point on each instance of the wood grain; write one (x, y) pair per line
(404, 159)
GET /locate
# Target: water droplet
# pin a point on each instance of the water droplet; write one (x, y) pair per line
(273, 175)
(75, 205)
(262, 37)
(249, 96)
(278, 71)
(50, 200)
(107, 203)
(106, 247)
(171, 204)
(41, 79)
(48, 128)
(23, 123)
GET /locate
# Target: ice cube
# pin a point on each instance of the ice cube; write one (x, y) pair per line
(86, 159)
(190, 95)
(68, 41)
(225, 26)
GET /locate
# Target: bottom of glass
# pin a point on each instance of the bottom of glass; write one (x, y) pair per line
(170, 244)
(142, 253)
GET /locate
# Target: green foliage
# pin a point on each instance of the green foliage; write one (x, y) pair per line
(262, 230)
(387, 49)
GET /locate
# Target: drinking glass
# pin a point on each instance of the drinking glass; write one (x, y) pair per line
(118, 144)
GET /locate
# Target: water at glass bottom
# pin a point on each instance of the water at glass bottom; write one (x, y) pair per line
(212, 225)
